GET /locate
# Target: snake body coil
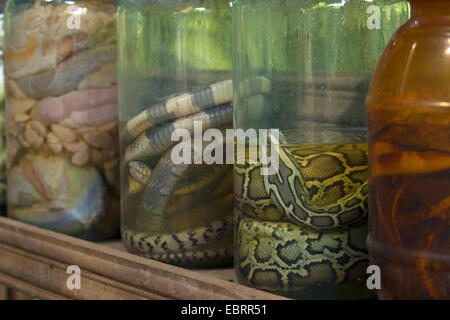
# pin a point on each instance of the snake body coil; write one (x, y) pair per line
(148, 135)
(301, 227)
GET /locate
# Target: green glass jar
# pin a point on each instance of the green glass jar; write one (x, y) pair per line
(301, 232)
(62, 115)
(174, 69)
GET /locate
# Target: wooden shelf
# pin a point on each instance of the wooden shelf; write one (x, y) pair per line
(34, 261)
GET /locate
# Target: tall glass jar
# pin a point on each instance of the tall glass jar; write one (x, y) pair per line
(174, 69)
(301, 231)
(409, 142)
(61, 110)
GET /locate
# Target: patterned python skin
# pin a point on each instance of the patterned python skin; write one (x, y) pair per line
(192, 247)
(305, 226)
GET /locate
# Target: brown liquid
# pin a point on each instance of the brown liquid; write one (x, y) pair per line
(409, 159)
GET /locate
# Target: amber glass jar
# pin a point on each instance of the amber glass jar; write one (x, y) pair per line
(61, 113)
(409, 157)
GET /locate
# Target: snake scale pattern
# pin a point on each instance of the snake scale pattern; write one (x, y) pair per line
(148, 135)
(314, 212)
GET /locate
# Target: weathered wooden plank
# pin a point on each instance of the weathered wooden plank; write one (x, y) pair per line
(18, 295)
(29, 288)
(52, 276)
(35, 261)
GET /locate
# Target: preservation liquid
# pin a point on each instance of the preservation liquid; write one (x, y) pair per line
(291, 258)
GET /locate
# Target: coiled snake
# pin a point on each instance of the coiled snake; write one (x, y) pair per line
(314, 211)
(148, 135)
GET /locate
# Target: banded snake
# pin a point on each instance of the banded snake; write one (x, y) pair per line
(148, 135)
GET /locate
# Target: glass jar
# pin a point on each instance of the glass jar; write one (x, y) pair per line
(300, 231)
(174, 69)
(409, 157)
(62, 116)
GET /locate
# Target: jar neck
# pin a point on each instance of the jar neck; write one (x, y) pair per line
(430, 8)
